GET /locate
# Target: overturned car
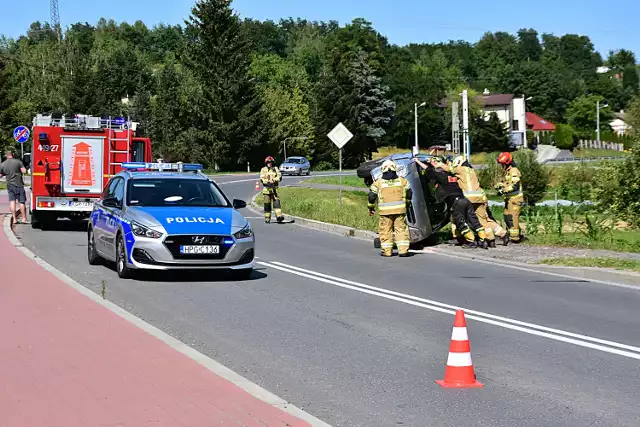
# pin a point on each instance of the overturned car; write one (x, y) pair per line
(426, 215)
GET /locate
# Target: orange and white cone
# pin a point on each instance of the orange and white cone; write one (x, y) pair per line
(258, 185)
(459, 372)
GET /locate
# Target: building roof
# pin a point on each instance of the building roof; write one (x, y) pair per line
(495, 99)
(537, 123)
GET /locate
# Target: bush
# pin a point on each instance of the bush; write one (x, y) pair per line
(574, 182)
(535, 177)
(617, 188)
(565, 136)
(323, 166)
(490, 174)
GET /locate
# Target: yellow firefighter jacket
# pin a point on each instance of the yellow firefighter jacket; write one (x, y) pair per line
(468, 182)
(512, 186)
(391, 196)
(270, 178)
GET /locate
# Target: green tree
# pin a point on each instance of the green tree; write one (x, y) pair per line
(535, 177)
(219, 53)
(581, 113)
(488, 134)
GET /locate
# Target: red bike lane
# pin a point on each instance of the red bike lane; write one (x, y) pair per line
(68, 361)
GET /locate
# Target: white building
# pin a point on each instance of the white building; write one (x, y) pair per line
(619, 125)
(510, 110)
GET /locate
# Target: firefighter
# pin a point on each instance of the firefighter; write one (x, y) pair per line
(447, 189)
(511, 188)
(468, 182)
(392, 193)
(270, 177)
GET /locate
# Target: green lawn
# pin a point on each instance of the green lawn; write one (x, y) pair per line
(614, 263)
(323, 205)
(3, 185)
(592, 152)
(347, 181)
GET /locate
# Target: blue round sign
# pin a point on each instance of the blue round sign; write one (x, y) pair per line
(21, 134)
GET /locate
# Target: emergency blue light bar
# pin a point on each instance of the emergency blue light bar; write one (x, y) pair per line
(163, 166)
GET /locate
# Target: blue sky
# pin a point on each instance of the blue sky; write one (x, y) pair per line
(609, 27)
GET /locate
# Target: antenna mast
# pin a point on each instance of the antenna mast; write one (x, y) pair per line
(55, 18)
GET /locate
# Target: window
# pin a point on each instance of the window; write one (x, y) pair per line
(138, 151)
(515, 125)
(119, 190)
(110, 189)
(295, 160)
(174, 192)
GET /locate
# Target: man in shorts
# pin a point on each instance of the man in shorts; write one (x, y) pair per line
(13, 169)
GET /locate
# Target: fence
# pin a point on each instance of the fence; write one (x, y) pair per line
(602, 145)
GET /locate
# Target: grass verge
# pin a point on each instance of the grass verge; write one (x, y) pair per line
(324, 205)
(3, 185)
(347, 181)
(592, 152)
(613, 263)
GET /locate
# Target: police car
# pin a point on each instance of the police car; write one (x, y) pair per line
(165, 216)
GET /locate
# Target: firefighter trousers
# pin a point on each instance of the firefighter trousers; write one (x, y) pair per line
(512, 208)
(466, 221)
(271, 199)
(390, 224)
(491, 227)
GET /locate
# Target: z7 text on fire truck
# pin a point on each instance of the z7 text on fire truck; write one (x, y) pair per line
(72, 160)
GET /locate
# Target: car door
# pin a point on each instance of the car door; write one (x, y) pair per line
(306, 166)
(101, 216)
(114, 216)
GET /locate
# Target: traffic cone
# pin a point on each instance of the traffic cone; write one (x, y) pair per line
(258, 185)
(459, 372)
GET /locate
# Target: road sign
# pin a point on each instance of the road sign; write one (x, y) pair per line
(21, 134)
(340, 135)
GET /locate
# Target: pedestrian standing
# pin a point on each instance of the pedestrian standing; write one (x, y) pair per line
(13, 170)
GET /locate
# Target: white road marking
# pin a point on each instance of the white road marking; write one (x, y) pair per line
(516, 325)
(293, 176)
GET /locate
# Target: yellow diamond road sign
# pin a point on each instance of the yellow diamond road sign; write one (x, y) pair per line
(340, 135)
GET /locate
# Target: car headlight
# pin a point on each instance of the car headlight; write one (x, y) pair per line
(245, 233)
(142, 231)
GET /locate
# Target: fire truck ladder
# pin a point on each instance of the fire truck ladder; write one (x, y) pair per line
(113, 142)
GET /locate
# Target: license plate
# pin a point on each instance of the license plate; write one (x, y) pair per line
(200, 250)
(81, 204)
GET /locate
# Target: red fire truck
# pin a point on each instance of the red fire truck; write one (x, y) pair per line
(72, 159)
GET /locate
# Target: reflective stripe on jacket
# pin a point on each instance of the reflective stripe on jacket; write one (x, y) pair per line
(512, 183)
(270, 176)
(468, 182)
(391, 195)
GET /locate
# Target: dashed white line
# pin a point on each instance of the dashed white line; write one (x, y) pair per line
(607, 346)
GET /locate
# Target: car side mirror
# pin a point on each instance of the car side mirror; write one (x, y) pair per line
(239, 204)
(111, 202)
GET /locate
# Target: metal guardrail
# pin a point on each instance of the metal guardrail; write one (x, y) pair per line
(582, 159)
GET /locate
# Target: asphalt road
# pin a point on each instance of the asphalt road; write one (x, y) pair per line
(358, 340)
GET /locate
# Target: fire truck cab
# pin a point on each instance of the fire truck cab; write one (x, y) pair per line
(73, 158)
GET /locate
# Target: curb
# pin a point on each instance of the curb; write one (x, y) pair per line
(215, 367)
(538, 268)
(340, 230)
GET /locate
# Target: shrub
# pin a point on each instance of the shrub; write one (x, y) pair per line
(575, 182)
(617, 188)
(535, 177)
(323, 166)
(565, 137)
(490, 174)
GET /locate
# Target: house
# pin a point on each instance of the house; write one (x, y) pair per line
(510, 110)
(539, 127)
(619, 124)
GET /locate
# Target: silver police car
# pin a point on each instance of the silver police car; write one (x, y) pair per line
(164, 216)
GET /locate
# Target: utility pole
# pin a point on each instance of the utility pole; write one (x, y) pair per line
(598, 123)
(465, 124)
(415, 113)
(55, 18)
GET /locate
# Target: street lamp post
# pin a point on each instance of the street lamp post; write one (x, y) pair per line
(415, 112)
(284, 143)
(598, 120)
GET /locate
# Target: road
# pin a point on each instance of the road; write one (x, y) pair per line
(357, 340)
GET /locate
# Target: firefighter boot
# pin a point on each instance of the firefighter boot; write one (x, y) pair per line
(470, 239)
(482, 236)
(278, 211)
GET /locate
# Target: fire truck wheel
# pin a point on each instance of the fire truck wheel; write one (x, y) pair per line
(92, 255)
(124, 272)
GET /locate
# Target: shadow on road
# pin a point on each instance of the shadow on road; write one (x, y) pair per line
(66, 225)
(177, 276)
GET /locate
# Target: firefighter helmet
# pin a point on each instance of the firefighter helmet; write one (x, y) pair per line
(389, 165)
(268, 160)
(505, 158)
(458, 161)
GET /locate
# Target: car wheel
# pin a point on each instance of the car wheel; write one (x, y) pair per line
(308, 171)
(244, 274)
(123, 270)
(92, 254)
(376, 243)
(300, 172)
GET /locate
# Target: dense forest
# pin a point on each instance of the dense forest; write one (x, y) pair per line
(224, 90)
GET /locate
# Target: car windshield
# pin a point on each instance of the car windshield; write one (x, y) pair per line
(174, 192)
(294, 160)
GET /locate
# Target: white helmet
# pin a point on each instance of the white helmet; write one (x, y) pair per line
(458, 161)
(389, 165)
